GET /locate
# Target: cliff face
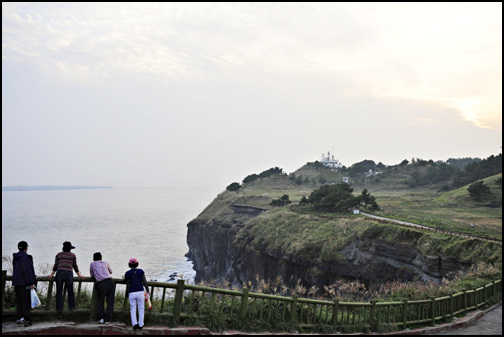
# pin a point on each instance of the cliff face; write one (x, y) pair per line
(225, 248)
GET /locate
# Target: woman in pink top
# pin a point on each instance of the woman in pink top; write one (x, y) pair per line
(105, 287)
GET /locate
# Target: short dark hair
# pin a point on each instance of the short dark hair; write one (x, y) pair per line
(133, 265)
(22, 245)
(97, 256)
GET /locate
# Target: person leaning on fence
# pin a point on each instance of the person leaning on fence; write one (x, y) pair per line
(105, 287)
(136, 283)
(65, 263)
(23, 281)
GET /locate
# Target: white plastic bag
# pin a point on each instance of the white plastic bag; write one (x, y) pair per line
(35, 301)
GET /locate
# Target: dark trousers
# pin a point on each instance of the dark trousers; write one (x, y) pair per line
(105, 289)
(23, 302)
(64, 277)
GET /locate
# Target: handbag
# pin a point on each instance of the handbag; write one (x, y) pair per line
(148, 303)
(35, 301)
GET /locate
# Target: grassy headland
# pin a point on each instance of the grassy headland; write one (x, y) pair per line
(323, 245)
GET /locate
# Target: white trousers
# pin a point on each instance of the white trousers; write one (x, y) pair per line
(137, 299)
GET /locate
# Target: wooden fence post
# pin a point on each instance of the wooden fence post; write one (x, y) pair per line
(294, 309)
(452, 306)
(49, 295)
(126, 297)
(4, 280)
(465, 301)
(372, 318)
(404, 314)
(433, 310)
(485, 297)
(179, 294)
(244, 303)
(335, 312)
(93, 309)
(79, 289)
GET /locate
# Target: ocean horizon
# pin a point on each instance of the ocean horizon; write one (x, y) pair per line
(147, 223)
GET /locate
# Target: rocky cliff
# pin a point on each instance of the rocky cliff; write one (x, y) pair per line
(223, 249)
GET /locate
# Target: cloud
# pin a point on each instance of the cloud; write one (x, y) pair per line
(221, 62)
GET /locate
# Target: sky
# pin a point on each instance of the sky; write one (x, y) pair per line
(158, 94)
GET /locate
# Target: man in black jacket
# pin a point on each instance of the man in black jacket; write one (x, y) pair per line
(23, 280)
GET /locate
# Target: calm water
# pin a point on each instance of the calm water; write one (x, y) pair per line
(146, 223)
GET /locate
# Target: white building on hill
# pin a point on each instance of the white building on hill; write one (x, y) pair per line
(330, 161)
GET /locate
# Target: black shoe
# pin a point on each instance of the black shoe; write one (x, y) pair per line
(27, 323)
(140, 327)
(136, 327)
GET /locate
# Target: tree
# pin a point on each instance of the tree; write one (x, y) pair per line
(498, 182)
(364, 166)
(250, 178)
(333, 198)
(478, 170)
(303, 201)
(282, 201)
(368, 199)
(233, 187)
(479, 190)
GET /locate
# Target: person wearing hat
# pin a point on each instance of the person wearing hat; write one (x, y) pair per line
(136, 283)
(64, 265)
(105, 287)
(23, 281)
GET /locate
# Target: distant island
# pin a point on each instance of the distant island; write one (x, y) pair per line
(49, 188)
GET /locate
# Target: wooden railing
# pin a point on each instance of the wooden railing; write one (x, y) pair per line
(185, 301)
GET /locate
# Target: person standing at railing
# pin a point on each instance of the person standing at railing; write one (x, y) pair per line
(64, 265)
(136, 283)
(23, 281)
(105, 287)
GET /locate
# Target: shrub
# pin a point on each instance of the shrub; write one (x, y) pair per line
(333, 198)
(282, 201)
(479, 190)
(233, 187)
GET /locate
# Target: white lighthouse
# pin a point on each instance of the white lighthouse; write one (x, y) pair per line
(329, 161)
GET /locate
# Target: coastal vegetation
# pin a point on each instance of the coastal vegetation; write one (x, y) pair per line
(436, 204)
(318, 232)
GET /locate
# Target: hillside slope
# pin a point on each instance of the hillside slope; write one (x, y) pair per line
(228, 242)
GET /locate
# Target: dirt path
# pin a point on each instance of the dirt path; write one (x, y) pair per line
(410, 224)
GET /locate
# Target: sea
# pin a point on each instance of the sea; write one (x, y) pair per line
(149, 224)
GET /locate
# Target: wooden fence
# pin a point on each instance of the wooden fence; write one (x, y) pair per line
(181, 301)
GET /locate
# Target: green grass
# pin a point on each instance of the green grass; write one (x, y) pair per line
(452, 211)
